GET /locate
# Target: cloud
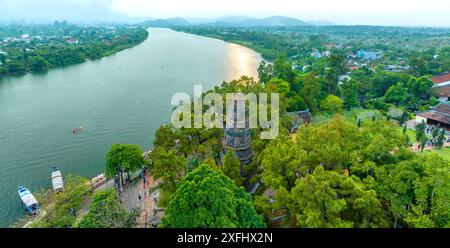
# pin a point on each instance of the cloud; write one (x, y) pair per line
(50, 10)
(385, 12)
(371, 12)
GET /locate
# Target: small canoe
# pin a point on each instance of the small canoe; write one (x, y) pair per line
(28, 199)
(57, 181)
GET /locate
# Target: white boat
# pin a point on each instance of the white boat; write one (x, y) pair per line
(57, 181)
(28, 199)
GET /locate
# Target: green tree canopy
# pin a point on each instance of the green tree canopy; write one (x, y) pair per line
(396, 94)
(62, 209)
(281, 163)
(310, 91)
(232, 167)
(417, 191)
(349, 93)
(279, 86)
(420, 130)
(329, 199)
(105, 211)
(168, 166)
(419, 87)
(332, 103)
(282, 68)
(332, 145)
(123, 158)
(38, 64)
(207, 198)
(265, 72)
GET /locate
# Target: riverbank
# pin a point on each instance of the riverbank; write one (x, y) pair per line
(106, 54)
(67, 208)
(44, 48)
(269, 55)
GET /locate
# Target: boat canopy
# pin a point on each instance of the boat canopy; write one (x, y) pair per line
(57, 181)
(27, 198)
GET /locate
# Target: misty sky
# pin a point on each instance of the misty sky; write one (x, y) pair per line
(369, 12)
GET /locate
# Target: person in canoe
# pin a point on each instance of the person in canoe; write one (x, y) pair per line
(75, 130)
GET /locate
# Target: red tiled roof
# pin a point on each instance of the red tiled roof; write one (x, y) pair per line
(440, 113)
(436, 117)
(440, 78)
(441, 91)
(443, 108)
(444, 91)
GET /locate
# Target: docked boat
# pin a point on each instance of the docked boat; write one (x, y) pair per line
(28, 199)
(57, 181)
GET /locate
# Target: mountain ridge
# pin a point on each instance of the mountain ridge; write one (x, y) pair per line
(237, 21)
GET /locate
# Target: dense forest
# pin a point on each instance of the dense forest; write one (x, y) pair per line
(336, 174)
(38, 48)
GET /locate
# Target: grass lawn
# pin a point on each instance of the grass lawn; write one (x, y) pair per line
(444, 152)
(351, 115)
(411, 134)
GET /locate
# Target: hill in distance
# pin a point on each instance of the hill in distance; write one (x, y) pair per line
(322, 23)
(275, 21)
(236, 21)
(162, 23)
(222, 19)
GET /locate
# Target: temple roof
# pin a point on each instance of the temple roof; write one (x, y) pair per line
(440, 113)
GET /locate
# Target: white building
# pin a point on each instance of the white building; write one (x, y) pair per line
(326, 53)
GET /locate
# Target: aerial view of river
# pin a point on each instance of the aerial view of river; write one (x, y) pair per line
(122, 98)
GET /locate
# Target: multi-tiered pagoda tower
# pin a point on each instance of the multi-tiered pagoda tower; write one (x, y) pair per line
(237, 131)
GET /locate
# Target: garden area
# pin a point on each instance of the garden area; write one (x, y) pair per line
(354, 114)
(351, 115)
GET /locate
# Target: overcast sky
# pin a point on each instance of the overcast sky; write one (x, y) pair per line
(370, 12)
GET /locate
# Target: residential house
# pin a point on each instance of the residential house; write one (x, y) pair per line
(72, 41)
(306, 68)
(441, 78)
(368, 55)
(441, 88)
(316, 54)
(395, 68)
(330, 45)
(349, 55)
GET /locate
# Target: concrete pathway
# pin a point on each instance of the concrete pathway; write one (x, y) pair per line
(137, 195)
(134, 196)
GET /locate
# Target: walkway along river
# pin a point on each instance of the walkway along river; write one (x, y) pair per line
(122, 98)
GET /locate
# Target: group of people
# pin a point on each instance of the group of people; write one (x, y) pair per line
(142, 196)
